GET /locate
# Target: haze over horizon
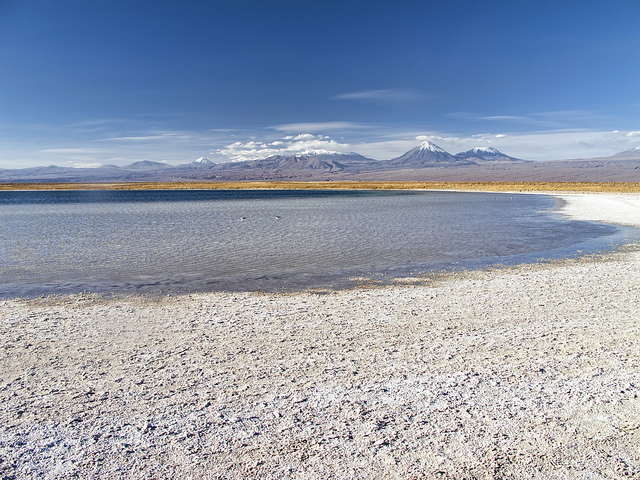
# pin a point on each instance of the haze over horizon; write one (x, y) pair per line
(90, 83)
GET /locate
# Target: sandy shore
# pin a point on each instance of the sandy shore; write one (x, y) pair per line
(526, 372)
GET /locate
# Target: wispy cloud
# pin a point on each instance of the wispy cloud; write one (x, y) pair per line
(321, 127)
(76, 157)
(142, 138)
(72, 150)
(510, 118)
(152, 138)
(131, 145)
(567, 114)
(387, 95)
(558, 119)
(94, 122)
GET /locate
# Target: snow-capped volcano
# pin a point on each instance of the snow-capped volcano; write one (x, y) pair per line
(427, 154)
(486, 150)
(146, 165)
(203, 161)
(486, 154)
(432, 147)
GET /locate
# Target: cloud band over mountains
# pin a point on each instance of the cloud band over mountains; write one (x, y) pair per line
(288, 145)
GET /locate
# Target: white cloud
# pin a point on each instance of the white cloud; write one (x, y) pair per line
(488, 135)
(151, 138)
(305, 137)
(319, 127)
(289, 145)
(388, 95)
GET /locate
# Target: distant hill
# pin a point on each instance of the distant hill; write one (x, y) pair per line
(322, 160)
(486, 154)
(634, 153)
(425, 162)
(146, 165)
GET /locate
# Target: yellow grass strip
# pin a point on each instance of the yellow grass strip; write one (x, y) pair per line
(586, 187)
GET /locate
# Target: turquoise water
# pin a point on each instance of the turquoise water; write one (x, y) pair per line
(179, 241)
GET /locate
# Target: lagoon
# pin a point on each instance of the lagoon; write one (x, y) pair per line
(208, 240)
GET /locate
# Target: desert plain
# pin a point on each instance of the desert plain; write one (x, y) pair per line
(530, 371)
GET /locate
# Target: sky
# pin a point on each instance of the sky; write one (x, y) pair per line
(93, 82)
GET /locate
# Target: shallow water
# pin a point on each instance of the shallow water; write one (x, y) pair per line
(178, 241)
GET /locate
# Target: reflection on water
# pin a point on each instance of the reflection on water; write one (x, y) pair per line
(176, 241)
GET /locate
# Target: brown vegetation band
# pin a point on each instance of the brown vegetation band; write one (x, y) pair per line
(623, 187)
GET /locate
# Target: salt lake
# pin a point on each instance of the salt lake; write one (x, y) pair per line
(173, 241)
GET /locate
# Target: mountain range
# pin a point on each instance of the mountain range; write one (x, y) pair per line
(425, 162)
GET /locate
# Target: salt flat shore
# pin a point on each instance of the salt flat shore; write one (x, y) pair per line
(524, 372)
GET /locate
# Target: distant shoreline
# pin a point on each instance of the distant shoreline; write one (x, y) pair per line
(574, 187)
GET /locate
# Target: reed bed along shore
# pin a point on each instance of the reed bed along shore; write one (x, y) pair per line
(578, 187)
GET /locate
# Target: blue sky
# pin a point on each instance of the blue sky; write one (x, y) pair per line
(87, 82)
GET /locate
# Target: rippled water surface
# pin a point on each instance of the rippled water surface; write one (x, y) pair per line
(175, 241)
